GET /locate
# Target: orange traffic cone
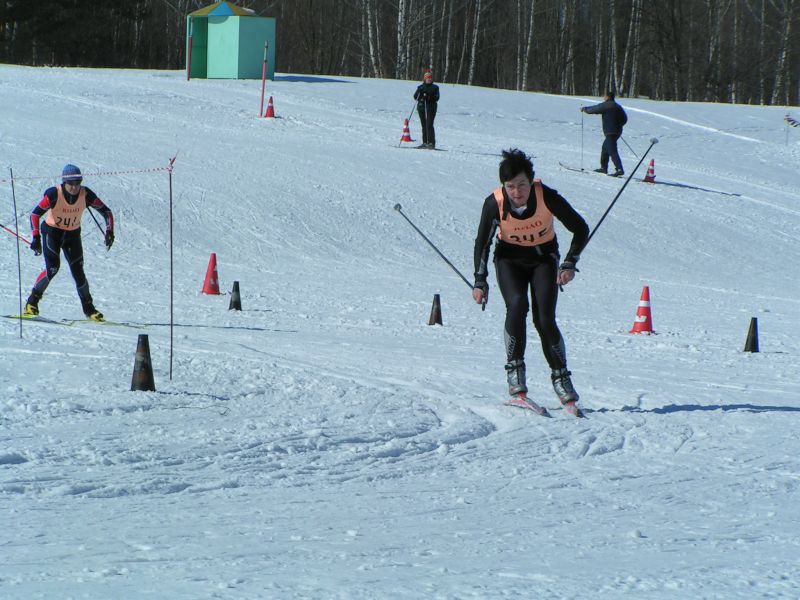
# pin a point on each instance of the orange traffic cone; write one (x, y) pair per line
(651, 172)
(406, 133)
(211, 283)
(270, 114)
(644, 320)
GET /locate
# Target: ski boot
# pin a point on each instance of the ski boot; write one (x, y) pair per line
(617, 173)
(94, 315)
(515, 372)
(601, 170)
(562, 384)
(32, 305)
(91, 312)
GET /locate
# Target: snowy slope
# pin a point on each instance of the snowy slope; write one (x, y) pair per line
(326, 442)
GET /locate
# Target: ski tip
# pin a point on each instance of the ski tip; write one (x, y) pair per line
(571, 408)
(522, 401)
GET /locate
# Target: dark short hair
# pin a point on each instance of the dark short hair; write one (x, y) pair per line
(514, 162)
(611, 94)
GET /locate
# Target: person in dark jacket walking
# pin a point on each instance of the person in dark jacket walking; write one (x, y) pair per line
(614, 119)
(62, 208)
(526, 260)
(427, 97)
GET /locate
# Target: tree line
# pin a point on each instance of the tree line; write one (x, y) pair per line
(740, 51)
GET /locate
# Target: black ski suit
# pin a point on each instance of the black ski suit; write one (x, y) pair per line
(56, 240)
(427, 97)
(520, 268)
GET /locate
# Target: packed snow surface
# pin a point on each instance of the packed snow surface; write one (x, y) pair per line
(326, 442)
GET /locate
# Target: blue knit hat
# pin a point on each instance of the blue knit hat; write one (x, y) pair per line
(71, 173)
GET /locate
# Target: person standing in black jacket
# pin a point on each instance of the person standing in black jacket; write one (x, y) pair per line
(427, 97)
(614, 119)
(526, 260)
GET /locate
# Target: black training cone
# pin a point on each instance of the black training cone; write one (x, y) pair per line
(236, 299)
(751, 344)
(142, 368)
(436, 311)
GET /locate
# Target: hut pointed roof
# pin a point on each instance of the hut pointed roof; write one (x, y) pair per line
(223, 9)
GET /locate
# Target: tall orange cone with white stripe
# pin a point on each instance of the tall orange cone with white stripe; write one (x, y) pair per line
(211, 283)
(644, 320)
(651, 172)
(406, 133)
(270, 114)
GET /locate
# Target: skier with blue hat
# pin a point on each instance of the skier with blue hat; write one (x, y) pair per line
(62, 207)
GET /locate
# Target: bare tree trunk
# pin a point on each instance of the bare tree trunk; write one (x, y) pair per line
(448, 5)
(474, 44)
(518, 50)
(734, 95)
(761, 42)
(464, 46)
(372, 41)
(568, 38)
(614, 67)
(400, 64)
(781, 65)
(631, 47)
(633, 89)
(528, 46)
(432, 44)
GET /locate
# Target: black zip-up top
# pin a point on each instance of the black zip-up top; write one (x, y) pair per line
(490, 219)
(427, 93)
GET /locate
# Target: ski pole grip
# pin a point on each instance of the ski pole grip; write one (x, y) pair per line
(397, 207)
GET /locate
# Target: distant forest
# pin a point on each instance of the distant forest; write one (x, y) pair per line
(740, 51)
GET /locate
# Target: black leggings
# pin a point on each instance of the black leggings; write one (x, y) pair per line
(514, 278)
(427, 114)
(55, 240)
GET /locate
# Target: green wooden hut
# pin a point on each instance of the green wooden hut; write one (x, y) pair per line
(227, 42)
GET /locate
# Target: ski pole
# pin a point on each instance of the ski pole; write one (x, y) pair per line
(91, 212)
(399, 209)
(653, 142)
(19, 260)
(629, 147)
(12, 232)
(412, 110)
(581, 140)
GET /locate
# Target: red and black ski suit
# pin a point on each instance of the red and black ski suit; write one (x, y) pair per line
(533, 266)
(65, 234)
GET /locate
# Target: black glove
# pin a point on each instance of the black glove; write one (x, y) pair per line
(568, 265)
(36, 244)
(109, 238)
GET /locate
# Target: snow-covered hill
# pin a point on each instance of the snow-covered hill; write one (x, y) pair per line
(326, 442)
